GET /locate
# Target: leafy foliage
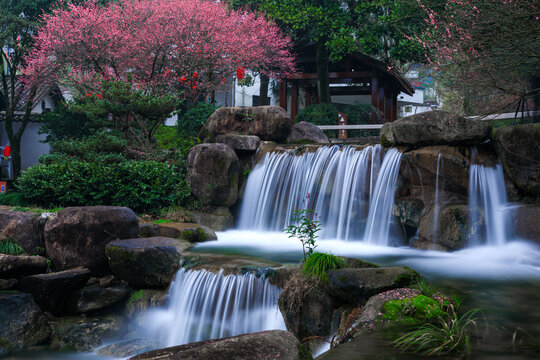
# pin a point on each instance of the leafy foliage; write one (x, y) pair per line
(450, 334)
(361, 114)
(10, 246)
(191, 123)
(144, 186)
(317, 264)
(12, 199)
(320, 114)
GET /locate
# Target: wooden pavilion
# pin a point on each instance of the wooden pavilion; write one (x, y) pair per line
(355, 74)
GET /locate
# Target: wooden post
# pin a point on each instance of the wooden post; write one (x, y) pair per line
(294, 101)
(283, 93)
(375, 91)
(393, 116)
(381, 96)
(387, 104)
(342, 120)
(308, 97)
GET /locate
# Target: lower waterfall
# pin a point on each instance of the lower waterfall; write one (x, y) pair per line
(204, 305)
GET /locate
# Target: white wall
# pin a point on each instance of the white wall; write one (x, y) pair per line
(32, 148)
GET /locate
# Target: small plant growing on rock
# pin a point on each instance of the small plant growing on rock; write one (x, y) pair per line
(304, 227)
(317, 264)
(450, 334)
(9, 246)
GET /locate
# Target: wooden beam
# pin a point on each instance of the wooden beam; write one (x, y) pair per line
(283, 93)
(350, 90)
(294, 101)
(375, 91)
(334, 75)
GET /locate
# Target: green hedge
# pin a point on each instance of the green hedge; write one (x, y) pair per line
(144, 186)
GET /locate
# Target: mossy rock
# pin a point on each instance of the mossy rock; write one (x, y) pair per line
(412, 311)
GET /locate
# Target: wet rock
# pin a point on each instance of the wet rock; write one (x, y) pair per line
(12, 266)
(22, 324)
(519, 152)
(78, 235)
(356, 286)
(217, 218)
(26, 228)
(144, 299)
(213, 171)
(8, 284)
(94, 297)
(420, 167)
(307, 307)
(240, 143)
(230, 264)
(452, 230)
(51, 291)
(199, 234)
(128, 348)
(263, 345)
(305, 132)
(84, 334)
(526, 222)
(270, 123)
(366, 320)
(146, 262)
(435, 128)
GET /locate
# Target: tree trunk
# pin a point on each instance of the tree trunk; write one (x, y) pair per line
(15, 157)
(323, 83)
(263, 90)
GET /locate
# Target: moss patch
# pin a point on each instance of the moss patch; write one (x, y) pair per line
(412, 311)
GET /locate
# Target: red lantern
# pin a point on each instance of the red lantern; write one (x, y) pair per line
(7, 151)
(240, 73)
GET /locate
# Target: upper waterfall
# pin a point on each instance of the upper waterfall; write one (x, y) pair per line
(342, 185)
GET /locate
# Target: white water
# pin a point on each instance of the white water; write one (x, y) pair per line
(204, 305)
(488, 205)
(345, 187)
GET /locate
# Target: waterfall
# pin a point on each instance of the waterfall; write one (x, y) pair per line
(437, 203)
(204, 305)
(380, 210)
(340, 184)
(489, 217)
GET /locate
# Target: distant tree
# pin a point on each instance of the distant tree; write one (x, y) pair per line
(183, 47)
(19, 85)
(488, 51)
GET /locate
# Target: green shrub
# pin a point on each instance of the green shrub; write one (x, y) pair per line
(317, 264)
(10, 246)
(191, 123)
(89, 147)
(320, 114)
(12, 199)
(362, 114)
(144, 186)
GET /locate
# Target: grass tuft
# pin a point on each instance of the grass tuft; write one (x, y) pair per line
(317, 264)
(9, 246)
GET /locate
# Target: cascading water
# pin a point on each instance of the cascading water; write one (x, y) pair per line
(437, 203)
(489, 210)
(204, 305)
(343, 186)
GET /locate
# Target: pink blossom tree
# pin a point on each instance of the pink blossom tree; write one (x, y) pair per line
(487, 50)
(184, 47)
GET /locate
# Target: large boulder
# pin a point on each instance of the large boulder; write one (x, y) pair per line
(213, 171)
(187, 231)
(307, 307)
(52, 291)
(305, 132)
(16, 266)
(84, 334)
(146, 262)
(519, 151)
(267, 122)
(450, 229)
(128, 348)
(26, 228)
(263, 345)
(217, 218)
(78, 235)
(240, 143)
(435, 128)
(356, 286)
(22, 324)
